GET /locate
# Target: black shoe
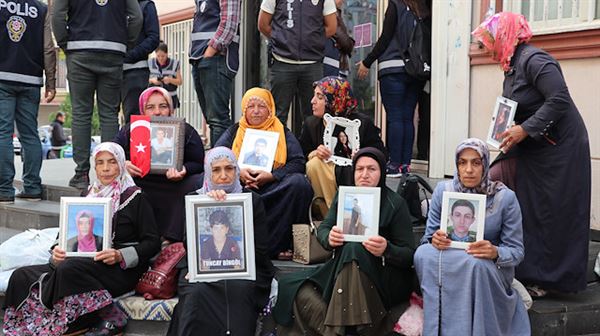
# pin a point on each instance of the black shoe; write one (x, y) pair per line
(29, 197)
(105, 328)
(7, 199)
(80, 181)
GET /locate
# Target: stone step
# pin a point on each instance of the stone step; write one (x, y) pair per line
(52, 192)
(23, 215)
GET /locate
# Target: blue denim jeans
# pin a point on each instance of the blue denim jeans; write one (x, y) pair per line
(399, 94)
(20, 105)
(213, 81)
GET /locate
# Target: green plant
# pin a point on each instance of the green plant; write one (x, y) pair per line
(67, 109)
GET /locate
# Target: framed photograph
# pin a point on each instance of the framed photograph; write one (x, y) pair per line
(358, 212)
(85, 225)
(167, 140)
(502, 119)
(258, 150)
(342, 138)
(463, 218)
(220, 238)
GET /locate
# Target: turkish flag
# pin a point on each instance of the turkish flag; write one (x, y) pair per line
(140, 150)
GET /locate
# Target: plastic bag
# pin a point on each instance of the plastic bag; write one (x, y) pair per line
(4, 277)
(411, 321)
(31, 247)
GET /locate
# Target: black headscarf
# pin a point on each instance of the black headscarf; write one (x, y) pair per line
(376, 155)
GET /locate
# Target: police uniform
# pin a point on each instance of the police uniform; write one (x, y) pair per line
(169, 70)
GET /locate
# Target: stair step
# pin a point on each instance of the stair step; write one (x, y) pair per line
(52, 192)
(146, 328)
(23, 215)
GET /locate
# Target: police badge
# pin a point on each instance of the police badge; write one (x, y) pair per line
(202, 6)
(315, 2)
(16, 27)
(101, 2)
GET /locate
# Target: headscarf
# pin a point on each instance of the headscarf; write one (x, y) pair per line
(213, 155)
(120, 184)
(486, 186)
(272, 124)
(501, 33)
(338, 94)
(85, 243)
(376, 155)
(145, 95)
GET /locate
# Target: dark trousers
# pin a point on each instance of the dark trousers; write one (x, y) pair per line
(424, 131)
(134, 82)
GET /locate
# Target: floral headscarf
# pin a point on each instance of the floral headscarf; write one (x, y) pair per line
(213, 155)
(501, 33)
(85, 243)
(145, 95)
(339, 96)
(486, 186)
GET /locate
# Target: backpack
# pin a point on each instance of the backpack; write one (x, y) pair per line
(417, 56)
(411, 187)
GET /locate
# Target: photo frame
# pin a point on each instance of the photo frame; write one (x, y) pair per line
(228, 224)
(502, 119)
(85, 225)
(258, 150)
(333, 139)
(358, 212)
(463, 218)
(167, 142)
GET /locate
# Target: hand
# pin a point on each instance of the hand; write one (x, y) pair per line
(483, 249)
(440, 240)
(49, 95)
(218, 195)
(336, 237)
(132, 169)
(263, 177)
(109, 257)
(167, 80)
(210, 52)
(58, 255)
(363, 71)
(323, 152)
(175, 175)
(376, 245)
(511, 137)
(246, 177)
(155, 81)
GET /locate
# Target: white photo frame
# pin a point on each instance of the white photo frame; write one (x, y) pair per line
(358, 212)
(334, 126)
(258, 150)
(73, 214)
(236, 258)
(464, 205)
(502, 119)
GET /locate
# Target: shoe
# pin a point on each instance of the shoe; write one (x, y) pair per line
(7, 199)
(393, 170)
(405, 169)
(29, 197)
(105, 328)
(80, 181)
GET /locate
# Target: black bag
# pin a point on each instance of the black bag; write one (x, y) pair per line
(417, 56)
(411, 187)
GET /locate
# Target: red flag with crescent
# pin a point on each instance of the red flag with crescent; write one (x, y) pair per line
(139, 144)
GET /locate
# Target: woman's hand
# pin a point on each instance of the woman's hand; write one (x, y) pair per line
(132, 169)
(166, 80)
(246, 176)
(440, 240)
(511, 137)
(217, 195)
(363, 71)
(58, 255)
(109, 257)
(336, 237)
(154, 81)
(376, 245)
(175, 175)
(263, 177)
(483, 249)
(323, 152)
(255, 179)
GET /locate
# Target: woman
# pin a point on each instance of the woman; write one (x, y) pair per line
(166, 192)
(332, 95)
(470, 293)
(286, 184)
(165, 72)
(342, 148)
(353, 291)
(71, 294)
(86, 240)
(226, 307)
(549, 139)
(399, 91)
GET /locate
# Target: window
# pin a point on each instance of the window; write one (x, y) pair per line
(554, 16)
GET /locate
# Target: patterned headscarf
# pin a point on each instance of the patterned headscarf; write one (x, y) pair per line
(501, 33)
(120, 184)
(338, 94)
(146, 94)
(85, 243)
(486, 186)
(213, 155)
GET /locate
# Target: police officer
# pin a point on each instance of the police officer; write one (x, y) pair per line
(338, 48)
(95, 43)
(165, 72)
(26, 52)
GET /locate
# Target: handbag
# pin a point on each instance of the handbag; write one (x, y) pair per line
(160, 282)
(307, 249)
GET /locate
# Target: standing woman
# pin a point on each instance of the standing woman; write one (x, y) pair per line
(539, 155)
(399, 91)
(165, 72)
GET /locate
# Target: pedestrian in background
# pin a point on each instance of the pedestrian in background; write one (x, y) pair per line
(338, 48)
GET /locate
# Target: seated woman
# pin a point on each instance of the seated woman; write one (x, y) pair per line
(166, 192)
(72, 293)
(353, 292)
(470, 293)
(333, 95)
(285, 190)
(86, 240)
(226, 307)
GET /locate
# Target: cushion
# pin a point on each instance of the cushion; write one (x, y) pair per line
(138, 308)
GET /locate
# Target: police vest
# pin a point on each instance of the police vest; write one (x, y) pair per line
(298, 30)
(206, 22)
(169, 70)
(390, 61)
(331, 61)
(22, 41)
(141, 64)
(97, 25)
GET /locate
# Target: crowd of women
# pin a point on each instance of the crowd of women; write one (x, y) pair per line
(532, 229)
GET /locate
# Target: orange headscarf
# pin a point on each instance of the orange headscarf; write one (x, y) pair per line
(272, 124)
(501, 33)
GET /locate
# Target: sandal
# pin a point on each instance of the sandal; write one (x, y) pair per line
(285, 255)
(536, 292)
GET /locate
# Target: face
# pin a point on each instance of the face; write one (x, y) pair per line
(259, 148)
(222, 171)
(343, 138)
(107, 167)
(60, 118)
(160, 134)
(161, 56)
(157, 105)
(318, 102)
(367, 172)
(462, 217)
(83, 225)
(219, 231)
(257, 112)
(470, 168)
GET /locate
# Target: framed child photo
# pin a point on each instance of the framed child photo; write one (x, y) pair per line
(85, 225)
(342, 138)
(358, 212)
(220, 238)
(502, 119)
(258, 150)
(463, 218)
(167, 141)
